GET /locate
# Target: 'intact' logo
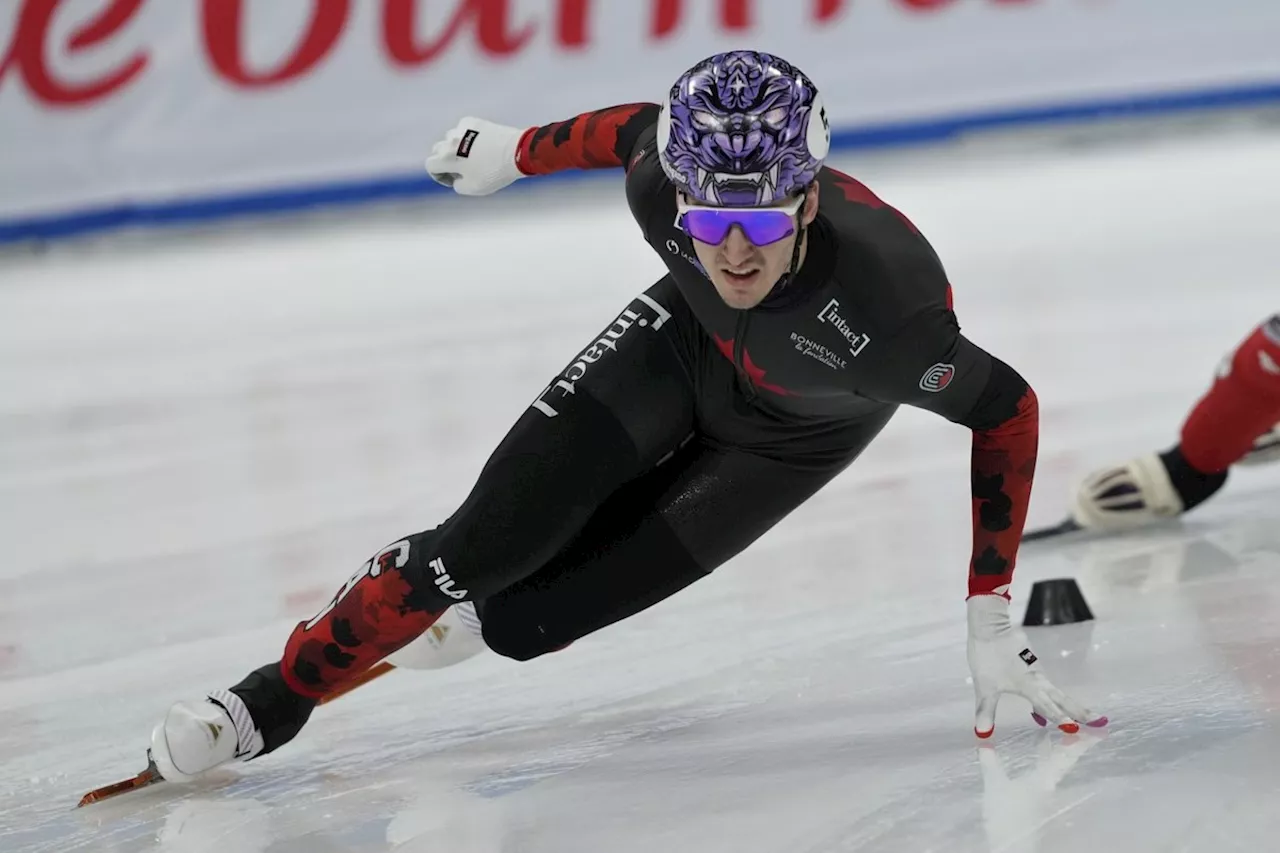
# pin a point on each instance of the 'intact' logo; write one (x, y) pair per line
(605, 344)
(830, 314)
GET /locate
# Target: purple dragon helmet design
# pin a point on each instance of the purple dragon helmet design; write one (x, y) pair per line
(742, 129)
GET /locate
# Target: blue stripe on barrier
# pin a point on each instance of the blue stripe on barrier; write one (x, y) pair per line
(329, 194)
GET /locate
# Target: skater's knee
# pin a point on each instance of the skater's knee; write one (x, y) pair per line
(435, 585)
(446, 566)
(518, 641)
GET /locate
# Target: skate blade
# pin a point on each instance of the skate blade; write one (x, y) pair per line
(1067, 526)
(376, 671)
(149, 776)
(1072, 532)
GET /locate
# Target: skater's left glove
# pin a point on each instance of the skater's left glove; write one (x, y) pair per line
(1002, 662)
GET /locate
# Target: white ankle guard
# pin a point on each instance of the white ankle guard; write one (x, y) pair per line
(248, 739)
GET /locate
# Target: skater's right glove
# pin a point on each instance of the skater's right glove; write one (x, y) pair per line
(476, 157)
(1001, 664)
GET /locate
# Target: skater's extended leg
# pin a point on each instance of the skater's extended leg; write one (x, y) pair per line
(617, 409)
(621, 406)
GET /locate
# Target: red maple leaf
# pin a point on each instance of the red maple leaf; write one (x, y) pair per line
(858, 193)
(754, 374)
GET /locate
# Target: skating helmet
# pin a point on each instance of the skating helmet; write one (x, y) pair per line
(742, 129)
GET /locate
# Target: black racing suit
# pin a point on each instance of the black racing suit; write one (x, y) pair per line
(686, 429)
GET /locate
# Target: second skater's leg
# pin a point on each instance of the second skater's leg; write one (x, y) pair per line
(1237, 421)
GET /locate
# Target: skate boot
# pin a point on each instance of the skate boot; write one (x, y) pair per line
(251, 719)
(454, 637)
(196, 736)
(1142, 491)
(1266, 448)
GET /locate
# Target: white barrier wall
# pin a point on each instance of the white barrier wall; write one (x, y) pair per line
(142, 110)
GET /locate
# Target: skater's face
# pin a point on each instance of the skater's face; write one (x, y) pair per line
(743, 271)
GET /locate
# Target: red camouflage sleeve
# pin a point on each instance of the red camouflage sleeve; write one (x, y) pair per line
(1001, 473)
(600, 139)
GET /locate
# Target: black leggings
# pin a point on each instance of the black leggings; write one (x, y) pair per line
(639, 470)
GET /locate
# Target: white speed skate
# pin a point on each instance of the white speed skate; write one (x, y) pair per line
(1133, 494)
(1153, 487)
(196, 736)
(454, 637)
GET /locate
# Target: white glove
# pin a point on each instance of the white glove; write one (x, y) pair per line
(1001, 663)
(476, 157)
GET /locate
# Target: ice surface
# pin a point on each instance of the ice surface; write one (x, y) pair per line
(200, 440)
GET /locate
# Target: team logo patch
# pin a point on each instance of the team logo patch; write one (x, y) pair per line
(937, 377)
(468, 139)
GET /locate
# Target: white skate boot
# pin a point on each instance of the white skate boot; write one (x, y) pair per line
(454, 637)
(198, 736)
(1266, 448)
(1149, 488)
(1127, 496)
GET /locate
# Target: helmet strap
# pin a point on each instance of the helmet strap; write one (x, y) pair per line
(794, 267)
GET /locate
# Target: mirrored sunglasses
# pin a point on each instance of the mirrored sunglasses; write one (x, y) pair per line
(760, 225)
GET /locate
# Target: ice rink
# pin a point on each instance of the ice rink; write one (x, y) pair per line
(201, 439)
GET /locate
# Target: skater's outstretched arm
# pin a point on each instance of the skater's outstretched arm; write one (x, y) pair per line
(927, 363)
(946, 373)
(600, 139)
(478, 157)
